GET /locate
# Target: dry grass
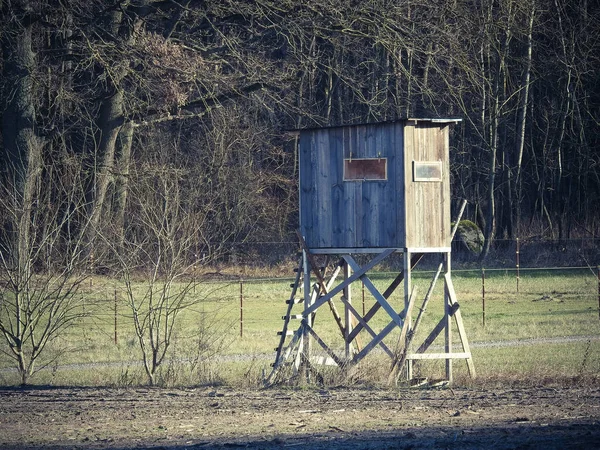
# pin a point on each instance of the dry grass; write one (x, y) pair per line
(548, 305)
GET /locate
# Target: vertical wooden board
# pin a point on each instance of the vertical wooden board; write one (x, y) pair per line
(336, 161)
(399, 168)
(324, 183)
(391, 193)
(409, 150)
(370, 142)
(350, 188)
(427, 202)
(307, 191)
(369, 214)
(314, 207)
(443, 150)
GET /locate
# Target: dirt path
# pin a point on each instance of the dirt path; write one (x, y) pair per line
(57, 418)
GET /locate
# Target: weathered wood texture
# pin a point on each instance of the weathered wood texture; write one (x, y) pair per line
(427, 202)
(392, 213)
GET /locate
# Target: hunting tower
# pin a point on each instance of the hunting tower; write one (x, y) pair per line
(377, 189)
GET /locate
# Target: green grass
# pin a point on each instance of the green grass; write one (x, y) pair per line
(549, 304)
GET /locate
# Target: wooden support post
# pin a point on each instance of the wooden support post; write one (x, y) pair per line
(305, 347)
(407, 328)
(241, 308)
(347, 313)
(403, 342)
(447, 318)
(462, 334)
(116, 328)
(517, 264)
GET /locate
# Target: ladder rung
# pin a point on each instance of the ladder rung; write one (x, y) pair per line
(287, 333)
(294, 301)
(292, 316)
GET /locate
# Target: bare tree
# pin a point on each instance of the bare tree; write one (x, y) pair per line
(159, 238)
(39, 272)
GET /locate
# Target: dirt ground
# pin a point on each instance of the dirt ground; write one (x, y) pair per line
(357, 418)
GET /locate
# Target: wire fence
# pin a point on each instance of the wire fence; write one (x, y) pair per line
(242, 299)
(251, 308)
(531, 252)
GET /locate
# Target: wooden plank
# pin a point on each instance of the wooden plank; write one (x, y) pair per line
(402, 347)
(387, 293)
(374, 292)
(324, 182)
(392, 198)
(321, 282)
(448, 320)
(355, 276)
(399, 145)
(323, 345)
(377, 340)
(306, 188)
(436, 331)
(460, 326)
(367, 327)
(336, 186)
(347, 300)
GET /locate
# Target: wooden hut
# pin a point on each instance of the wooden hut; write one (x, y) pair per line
(379, 189)
(373, 186)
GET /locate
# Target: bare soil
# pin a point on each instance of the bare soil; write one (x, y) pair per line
(349, 418)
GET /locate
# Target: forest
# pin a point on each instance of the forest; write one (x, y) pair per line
(136, 130)
(145, 139)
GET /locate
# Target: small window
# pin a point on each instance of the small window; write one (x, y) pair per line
(365, 169)
(427, 171)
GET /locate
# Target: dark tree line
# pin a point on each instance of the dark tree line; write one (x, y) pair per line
(98, 95)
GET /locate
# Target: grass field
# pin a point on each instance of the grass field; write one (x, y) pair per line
(523, 336)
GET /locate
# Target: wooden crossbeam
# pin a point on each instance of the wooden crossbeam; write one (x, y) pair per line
(373, 290)
(436, 331)
(376, 340)
(402, 347)
(351, 279)
(460, 326)
(323, 345)
(366, 327)
(387, 293)
(321, 282)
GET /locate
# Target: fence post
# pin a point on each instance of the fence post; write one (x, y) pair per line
(483, 296)
(241, 308)
(598, 269)
(116, 337)
(517, 258)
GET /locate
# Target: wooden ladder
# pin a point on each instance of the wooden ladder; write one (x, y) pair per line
(293, 300)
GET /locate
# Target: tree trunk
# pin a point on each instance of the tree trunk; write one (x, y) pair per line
(522, 119)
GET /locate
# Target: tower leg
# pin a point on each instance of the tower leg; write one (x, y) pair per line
(347, 313)
(407, 294)
(447, 317)
(306, 346)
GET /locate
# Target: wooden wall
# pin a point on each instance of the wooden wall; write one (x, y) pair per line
(340, 214)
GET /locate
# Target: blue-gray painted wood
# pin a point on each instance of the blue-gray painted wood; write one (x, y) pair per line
(395, 213)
